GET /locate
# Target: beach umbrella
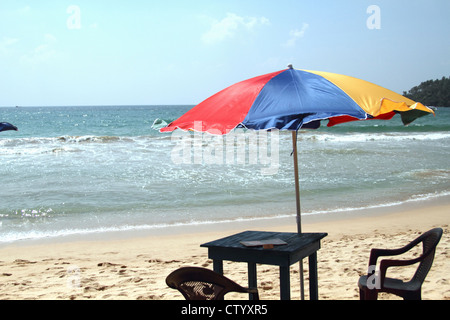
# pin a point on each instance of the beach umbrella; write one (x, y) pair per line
(4, 126)
(293, 99)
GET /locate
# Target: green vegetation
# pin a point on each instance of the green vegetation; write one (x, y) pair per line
(431, 93)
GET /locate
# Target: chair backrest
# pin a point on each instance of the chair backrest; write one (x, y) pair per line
(201, 284)
(430, 239)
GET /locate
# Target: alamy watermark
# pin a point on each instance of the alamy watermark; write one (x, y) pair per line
(240, 147)
(374, 20)
(73, 277)
(373, 280)
(74, 20)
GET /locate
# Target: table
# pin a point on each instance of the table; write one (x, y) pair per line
(297, 247)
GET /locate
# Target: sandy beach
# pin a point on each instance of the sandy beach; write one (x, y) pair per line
(135, 268)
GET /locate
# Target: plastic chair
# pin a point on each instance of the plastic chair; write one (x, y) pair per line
(204, 284)
(410, 290)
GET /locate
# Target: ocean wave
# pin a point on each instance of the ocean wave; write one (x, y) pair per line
(443, 174)
(27, 213)
(44, 145)
(365, 137)
(33, 235)
(315, 136)
(92, 139)
(87, 139)
(413, 198)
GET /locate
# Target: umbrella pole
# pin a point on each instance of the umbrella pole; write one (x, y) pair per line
(297, 186)
(298, 216)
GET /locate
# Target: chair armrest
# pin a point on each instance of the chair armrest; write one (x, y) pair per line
(376, 253)
(387, 263)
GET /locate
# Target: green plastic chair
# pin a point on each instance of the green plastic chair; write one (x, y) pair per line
(409, 290)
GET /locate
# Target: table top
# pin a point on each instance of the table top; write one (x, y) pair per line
(297, 247)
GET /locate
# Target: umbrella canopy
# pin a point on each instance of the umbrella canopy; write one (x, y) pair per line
(292, 99)
(4, 126)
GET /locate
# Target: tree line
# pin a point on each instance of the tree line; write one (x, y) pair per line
(434, 93)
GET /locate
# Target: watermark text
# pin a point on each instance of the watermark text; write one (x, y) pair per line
(73, 277)
(240, 147)
(373, 280)
(374, 20)
(74, 20)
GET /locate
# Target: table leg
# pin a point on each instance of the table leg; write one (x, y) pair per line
(252, 278)
(313, 286)
(218, 266)
(285, 284)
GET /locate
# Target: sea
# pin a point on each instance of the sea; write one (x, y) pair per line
(89, 171)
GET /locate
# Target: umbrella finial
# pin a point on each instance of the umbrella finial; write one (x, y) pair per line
(290, 66)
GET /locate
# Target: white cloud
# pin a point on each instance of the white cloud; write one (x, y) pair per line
(230, 25)
(296, 34)
(49, 38)
(6, 42)
(6, 45)
(42, 53)
(25, 10)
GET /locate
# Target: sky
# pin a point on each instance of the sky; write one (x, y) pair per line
(66, 53)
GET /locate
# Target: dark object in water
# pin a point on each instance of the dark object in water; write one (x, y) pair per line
(4, 126)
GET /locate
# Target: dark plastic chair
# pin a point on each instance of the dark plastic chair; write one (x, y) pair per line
(410, 290)
(204, 284)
